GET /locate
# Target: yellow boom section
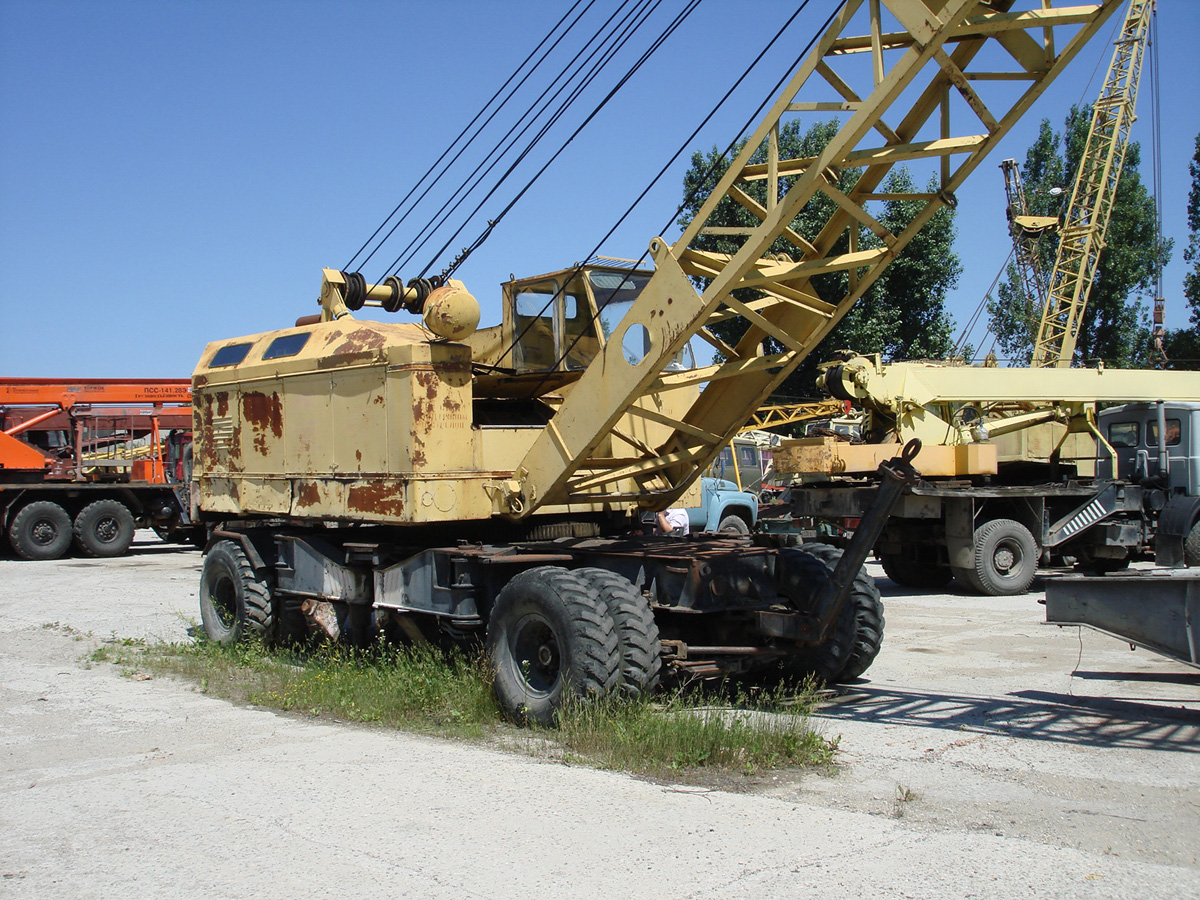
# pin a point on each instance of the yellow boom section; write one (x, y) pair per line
(937, 80)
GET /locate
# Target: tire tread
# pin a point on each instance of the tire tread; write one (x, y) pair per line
(637, 634)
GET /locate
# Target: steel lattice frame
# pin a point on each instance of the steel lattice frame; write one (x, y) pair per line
(1086, 221)
(994, 59)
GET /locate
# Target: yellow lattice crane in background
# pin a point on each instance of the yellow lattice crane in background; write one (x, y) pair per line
(786, 413)
(1082, 234)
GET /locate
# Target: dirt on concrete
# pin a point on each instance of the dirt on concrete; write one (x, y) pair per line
(985, 754)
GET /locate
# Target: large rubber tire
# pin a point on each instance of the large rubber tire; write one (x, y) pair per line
(104, 529)
(910, 573)
(733, 524)
(1006, 557)
(867, 607)
(549, 639)
(857, 632)
(40, 530)
(235, 603)
(967, 579)
(1191, 547)
(637, 632)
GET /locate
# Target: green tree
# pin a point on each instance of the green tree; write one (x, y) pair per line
(1115, 324)
(1183, 344)
(902, 315)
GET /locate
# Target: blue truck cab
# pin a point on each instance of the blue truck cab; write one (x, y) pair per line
(724, 508)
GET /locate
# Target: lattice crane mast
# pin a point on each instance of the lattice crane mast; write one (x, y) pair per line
(1085, 223)
(786, 413)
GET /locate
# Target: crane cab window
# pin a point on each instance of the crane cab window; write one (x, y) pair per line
(286, 345)
(1123, 434)
(552, 328)
(229, 355)
(1173, 433)
(615, 293)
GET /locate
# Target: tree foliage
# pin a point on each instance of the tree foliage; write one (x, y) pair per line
(1183, 344)
(1115, 324)
(901, 316)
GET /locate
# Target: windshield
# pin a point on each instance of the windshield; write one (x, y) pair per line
(615, 293)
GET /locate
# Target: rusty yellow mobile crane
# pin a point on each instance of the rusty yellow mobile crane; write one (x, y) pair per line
(444, 479)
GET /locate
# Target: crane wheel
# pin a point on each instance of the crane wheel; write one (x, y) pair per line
(235, 603)
(104, 529)
(40, 530)
(868, 613)
(549, 641)
(637, 633)
(1191, 546)
(857, 633)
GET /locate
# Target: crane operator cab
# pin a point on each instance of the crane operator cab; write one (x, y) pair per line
(556, 324)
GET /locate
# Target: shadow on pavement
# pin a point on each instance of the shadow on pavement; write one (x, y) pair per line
(1032, 715)
(1156, 677)
(157, 549)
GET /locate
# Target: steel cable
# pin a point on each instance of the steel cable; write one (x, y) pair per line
(708, 173)
(620, 34)
(466, 128)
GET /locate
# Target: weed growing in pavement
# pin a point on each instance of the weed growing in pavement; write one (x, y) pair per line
(427, 690)
(736, 731)
(903, 795)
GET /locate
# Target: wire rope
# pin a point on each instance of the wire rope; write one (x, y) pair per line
(442, 156)
(695, 190)
(597, 42)
(606, 55)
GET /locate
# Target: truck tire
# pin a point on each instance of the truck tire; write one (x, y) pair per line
(733, 524)
(857, 633)
(40, 530)
(1006, 557)
(235, 603)
(548, 640)
(1191, 547)
(967, 579)
(104, 529)
(910, 573)
(637, 632)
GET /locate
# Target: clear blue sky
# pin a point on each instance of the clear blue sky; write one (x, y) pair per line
(177, 172)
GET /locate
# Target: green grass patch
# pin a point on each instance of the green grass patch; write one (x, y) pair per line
(684, 735)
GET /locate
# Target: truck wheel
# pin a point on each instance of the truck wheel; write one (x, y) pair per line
(547, 640)
(857, 633)
(1191, 547)
(235, 604)
(40, 530)
(910, 573)
(733, 524)
(1006, 557)
(967, 579)
(104, 528)
(637, 633)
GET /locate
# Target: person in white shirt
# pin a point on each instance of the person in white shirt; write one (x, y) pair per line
(673, 521)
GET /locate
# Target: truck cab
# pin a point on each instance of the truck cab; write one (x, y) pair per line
(1132, 431)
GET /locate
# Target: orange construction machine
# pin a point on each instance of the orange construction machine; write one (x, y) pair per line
(87, 461)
